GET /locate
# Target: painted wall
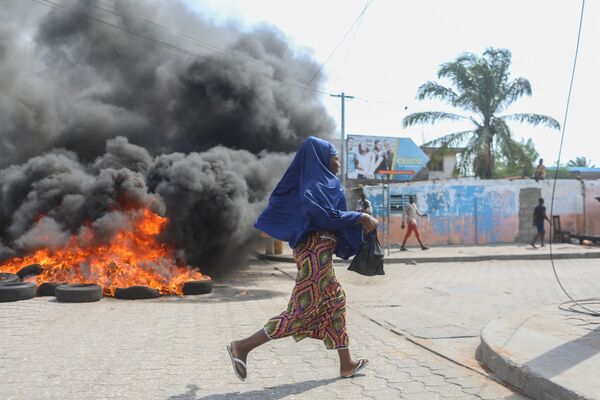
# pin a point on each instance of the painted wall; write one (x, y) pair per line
(473, 211)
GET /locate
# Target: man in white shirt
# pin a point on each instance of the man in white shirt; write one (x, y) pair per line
(409, 215)
(364, 205)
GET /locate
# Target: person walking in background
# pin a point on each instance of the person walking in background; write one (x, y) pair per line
(308, 209)
(409, 216)
(539, 215)
(363, 204)
(540, 171)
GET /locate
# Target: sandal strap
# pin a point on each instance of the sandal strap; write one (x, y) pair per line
(237, 360)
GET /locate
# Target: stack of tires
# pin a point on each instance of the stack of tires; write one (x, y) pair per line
(12, 288)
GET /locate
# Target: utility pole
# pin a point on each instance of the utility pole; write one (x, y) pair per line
(343, 96)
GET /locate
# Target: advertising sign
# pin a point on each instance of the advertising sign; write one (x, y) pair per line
(382, 157)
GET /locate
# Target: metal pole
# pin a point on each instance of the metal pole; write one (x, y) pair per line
(389, 227)
(343, 160)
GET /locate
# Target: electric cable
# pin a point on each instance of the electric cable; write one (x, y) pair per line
(299, 84)
(340, 42)
(575, 303)
(116, 11)
(341, 72)
(162, 43)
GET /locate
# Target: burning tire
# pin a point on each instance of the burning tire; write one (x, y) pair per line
(5, 278)
(48, 288)
(136, 293)
(198, 287)
(78, 293)
(33, 269)
(17, 291)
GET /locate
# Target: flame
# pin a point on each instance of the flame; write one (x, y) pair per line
(134, 257)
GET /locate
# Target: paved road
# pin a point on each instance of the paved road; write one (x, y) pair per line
(174, 348)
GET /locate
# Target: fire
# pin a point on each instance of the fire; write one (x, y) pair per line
(134, 257)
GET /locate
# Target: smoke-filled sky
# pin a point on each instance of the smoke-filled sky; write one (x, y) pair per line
(98, 120)
(399, 45)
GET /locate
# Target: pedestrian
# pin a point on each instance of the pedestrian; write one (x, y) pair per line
(307, 209)
(409, 215)
(539, 215)
(540, 171)
(364, 205)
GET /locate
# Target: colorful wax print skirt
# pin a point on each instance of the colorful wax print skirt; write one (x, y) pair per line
(317, 308)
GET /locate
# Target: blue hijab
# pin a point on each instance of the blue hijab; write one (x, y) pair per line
(310, 198)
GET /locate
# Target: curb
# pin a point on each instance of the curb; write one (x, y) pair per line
(392, 260)
(520, 376)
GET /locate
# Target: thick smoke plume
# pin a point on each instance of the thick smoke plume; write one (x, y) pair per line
(97, 122)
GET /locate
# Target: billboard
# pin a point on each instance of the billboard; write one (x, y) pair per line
(382, 157)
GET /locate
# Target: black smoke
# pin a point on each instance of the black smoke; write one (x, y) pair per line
(96, 122)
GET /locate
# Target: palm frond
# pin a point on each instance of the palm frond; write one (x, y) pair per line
(429, 117)
(513, 91)
(450, 140)
(433, 90)
(533, 119)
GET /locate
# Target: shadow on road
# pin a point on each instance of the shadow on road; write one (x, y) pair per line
(270, 393)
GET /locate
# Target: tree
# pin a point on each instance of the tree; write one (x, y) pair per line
(581, 162)
(481, 87)
(506, 167)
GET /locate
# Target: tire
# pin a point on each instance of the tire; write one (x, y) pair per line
(17, 291)
(198, 287)
(33, 269)
(136, 293)
(78, 293)
(5, 278)
(48, 288)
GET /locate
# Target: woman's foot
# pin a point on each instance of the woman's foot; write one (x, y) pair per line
(354, 368)
(238, 360)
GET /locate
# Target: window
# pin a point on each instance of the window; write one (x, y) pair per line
(398, 201)
(436, 164)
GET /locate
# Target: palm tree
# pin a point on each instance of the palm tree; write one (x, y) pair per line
(481, 86)
(581, 162)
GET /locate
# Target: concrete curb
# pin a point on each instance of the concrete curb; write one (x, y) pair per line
(408, 260)
(520, 376)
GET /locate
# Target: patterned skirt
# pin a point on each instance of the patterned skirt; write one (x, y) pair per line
(317, 308)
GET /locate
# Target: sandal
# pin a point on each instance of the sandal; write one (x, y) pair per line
(234, 362)
(362, 363)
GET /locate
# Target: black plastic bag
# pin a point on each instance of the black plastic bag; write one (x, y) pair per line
(369, 260)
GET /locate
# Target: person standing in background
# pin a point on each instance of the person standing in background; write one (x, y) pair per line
(540, 171)
(364, 205)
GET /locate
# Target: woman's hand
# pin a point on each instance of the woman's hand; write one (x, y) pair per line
(368, 222)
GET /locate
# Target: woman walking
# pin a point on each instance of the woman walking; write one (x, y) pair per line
(307, 209)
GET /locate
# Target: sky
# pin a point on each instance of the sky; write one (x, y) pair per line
(400, 45)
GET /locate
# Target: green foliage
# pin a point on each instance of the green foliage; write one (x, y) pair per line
(481, 87)
(581, 162)
(506, 167)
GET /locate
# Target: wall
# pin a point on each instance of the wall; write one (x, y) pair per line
(449, 162)
(592, 207)
(473, 211)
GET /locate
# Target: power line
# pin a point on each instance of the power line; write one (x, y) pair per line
(172, 47)
(562, 138)
(339, 43)
(116, 11)
(188, 53)
(349, 49)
